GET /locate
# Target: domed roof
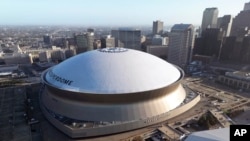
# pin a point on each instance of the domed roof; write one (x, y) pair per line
(112, 71)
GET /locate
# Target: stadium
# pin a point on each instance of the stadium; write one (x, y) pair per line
(112, 90)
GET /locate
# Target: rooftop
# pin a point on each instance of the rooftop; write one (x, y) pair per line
(112, 71)
(210, 135)
(181, 27)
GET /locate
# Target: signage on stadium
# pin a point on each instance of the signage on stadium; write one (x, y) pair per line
(59, 79)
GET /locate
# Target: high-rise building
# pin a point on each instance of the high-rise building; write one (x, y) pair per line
(107, 41)
(236, 51)
(127, 37)
(159, 40)
(57, 55)
(47, 39)
(158, 50)
(241, 22)
(209, 19)
(90, 30)
(44, 56)
(245, 50)
(69, 53)
(157, 27)
(247, 6)
(225, 24)
(181, 40)
(84, 42)
(65, 43)
(229, 51)
(209, 44)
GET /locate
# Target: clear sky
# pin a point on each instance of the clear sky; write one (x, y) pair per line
(111, 12)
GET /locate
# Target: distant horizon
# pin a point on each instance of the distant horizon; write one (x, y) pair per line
(166, 28)
(111, 12)
(89, 26)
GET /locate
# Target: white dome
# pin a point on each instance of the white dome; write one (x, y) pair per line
(112, 71)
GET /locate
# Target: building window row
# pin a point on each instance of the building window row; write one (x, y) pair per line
(235, 83)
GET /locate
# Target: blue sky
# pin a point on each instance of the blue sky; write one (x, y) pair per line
(111, 12)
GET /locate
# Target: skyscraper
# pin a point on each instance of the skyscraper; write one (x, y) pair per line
(181, 39)
(107, 41)
(225, 24)
(47, 39)
(247, 6)
(127, 37)
(84, 42)
(210, 42)
(241, 23)
(157, 27)
(209, 19)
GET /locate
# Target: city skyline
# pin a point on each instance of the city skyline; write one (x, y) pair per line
(110, 12)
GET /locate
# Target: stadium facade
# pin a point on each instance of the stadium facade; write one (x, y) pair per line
(112, 90)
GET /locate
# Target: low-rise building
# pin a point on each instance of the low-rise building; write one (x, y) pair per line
(158, 50)
(18, 58)
(238, 79)
(44, 56)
